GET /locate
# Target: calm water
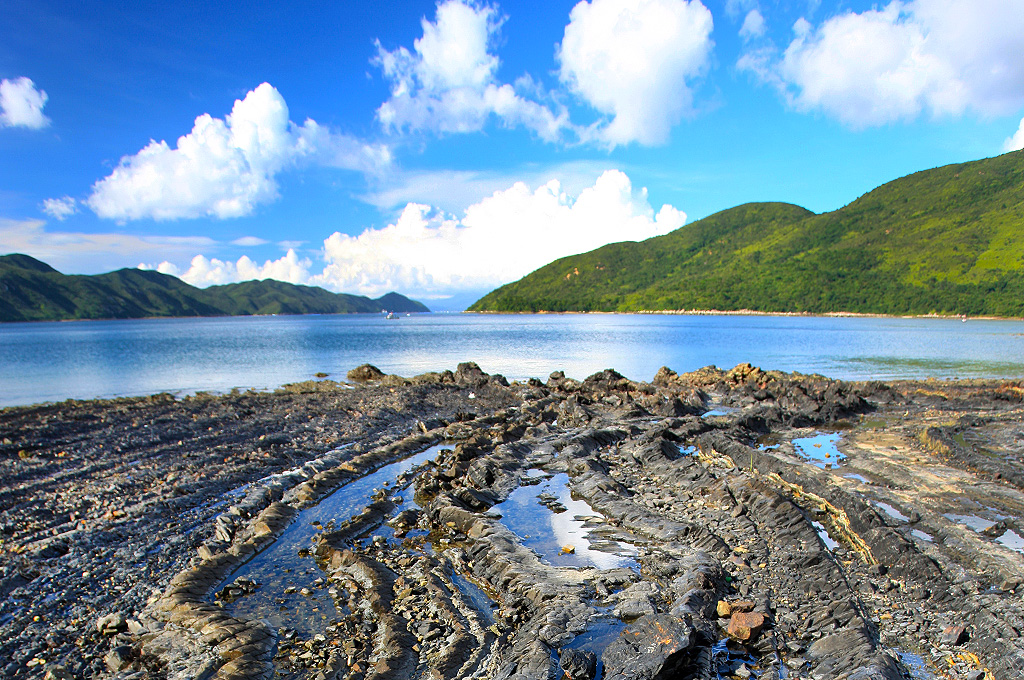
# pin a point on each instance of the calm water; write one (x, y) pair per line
(55, 361)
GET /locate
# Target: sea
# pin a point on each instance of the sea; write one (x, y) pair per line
(48, 362)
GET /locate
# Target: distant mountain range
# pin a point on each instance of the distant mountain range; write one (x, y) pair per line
(31, 290)
(947, 240)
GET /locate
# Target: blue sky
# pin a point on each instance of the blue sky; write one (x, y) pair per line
(441, 149)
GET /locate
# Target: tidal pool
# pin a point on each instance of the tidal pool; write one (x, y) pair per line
(829, 542)
(918, 667)
(820, 449)
(1012, 540)
(289, 594)
(562, 538)
(602, 630)
(972, 521)
(892, 512)
(917, 533)
(719, 411)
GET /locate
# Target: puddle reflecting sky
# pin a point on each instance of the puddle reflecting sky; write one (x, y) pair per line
(280, 568)
(972, 521)
(1012, 540)
(719, 410)
(892, 512)
(601, 631)
(820, 449)
(547, 532)
(917, 533)
(825, 538)
(918, 667)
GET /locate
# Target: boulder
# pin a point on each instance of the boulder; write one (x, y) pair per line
(365, 373)
(578, 664)
(745, 626)
(470, 375)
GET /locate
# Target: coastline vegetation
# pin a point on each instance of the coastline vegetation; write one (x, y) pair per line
(943, 241)
(34, 291)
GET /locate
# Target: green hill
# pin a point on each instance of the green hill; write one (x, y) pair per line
(31, 290)
(947, 240)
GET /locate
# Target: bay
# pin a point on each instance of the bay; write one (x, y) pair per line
(41, 362)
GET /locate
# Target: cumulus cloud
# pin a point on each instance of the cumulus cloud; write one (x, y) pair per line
(21, 104)
(225, 167)
(1016, 141)
(428, 253)
(497, 240)
(60, 208)
(634, 61)
(79, 251)
(203, 271)
(942, 57)
(753, 25)
(448, 83)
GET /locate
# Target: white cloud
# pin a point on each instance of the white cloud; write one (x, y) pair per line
(447, 83)
(204, 271)
(1016, 141)
(60, 208)
(634, 61)
(249, 241)
(79, 251)
(499, 239)
(753, 25)
(942, 57)
(225, 167)
(21, 104)
(430, 254)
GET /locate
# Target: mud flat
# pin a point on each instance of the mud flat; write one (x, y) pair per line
(716, 524)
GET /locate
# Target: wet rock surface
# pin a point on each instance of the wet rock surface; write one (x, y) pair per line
(125, 525)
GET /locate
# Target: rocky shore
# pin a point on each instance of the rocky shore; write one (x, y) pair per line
(715, 524)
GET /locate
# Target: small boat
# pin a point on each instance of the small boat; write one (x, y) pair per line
(392, 315)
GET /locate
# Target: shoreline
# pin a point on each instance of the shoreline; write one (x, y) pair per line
(664, 312)
(123, 519)
(754, 312)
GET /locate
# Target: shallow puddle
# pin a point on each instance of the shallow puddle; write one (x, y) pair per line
(859, 478)
(829, 542)
(820, 449)
(719, 411)
(971, 521)
(892, 512)
(284, 576)
(916, 665)
(917, 533)
(561, 539)
(728, 659)
(602, 630)
(475, 596)
(1012, 540)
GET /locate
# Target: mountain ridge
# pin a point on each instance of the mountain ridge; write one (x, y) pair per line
(945, 240)
(34, 291)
